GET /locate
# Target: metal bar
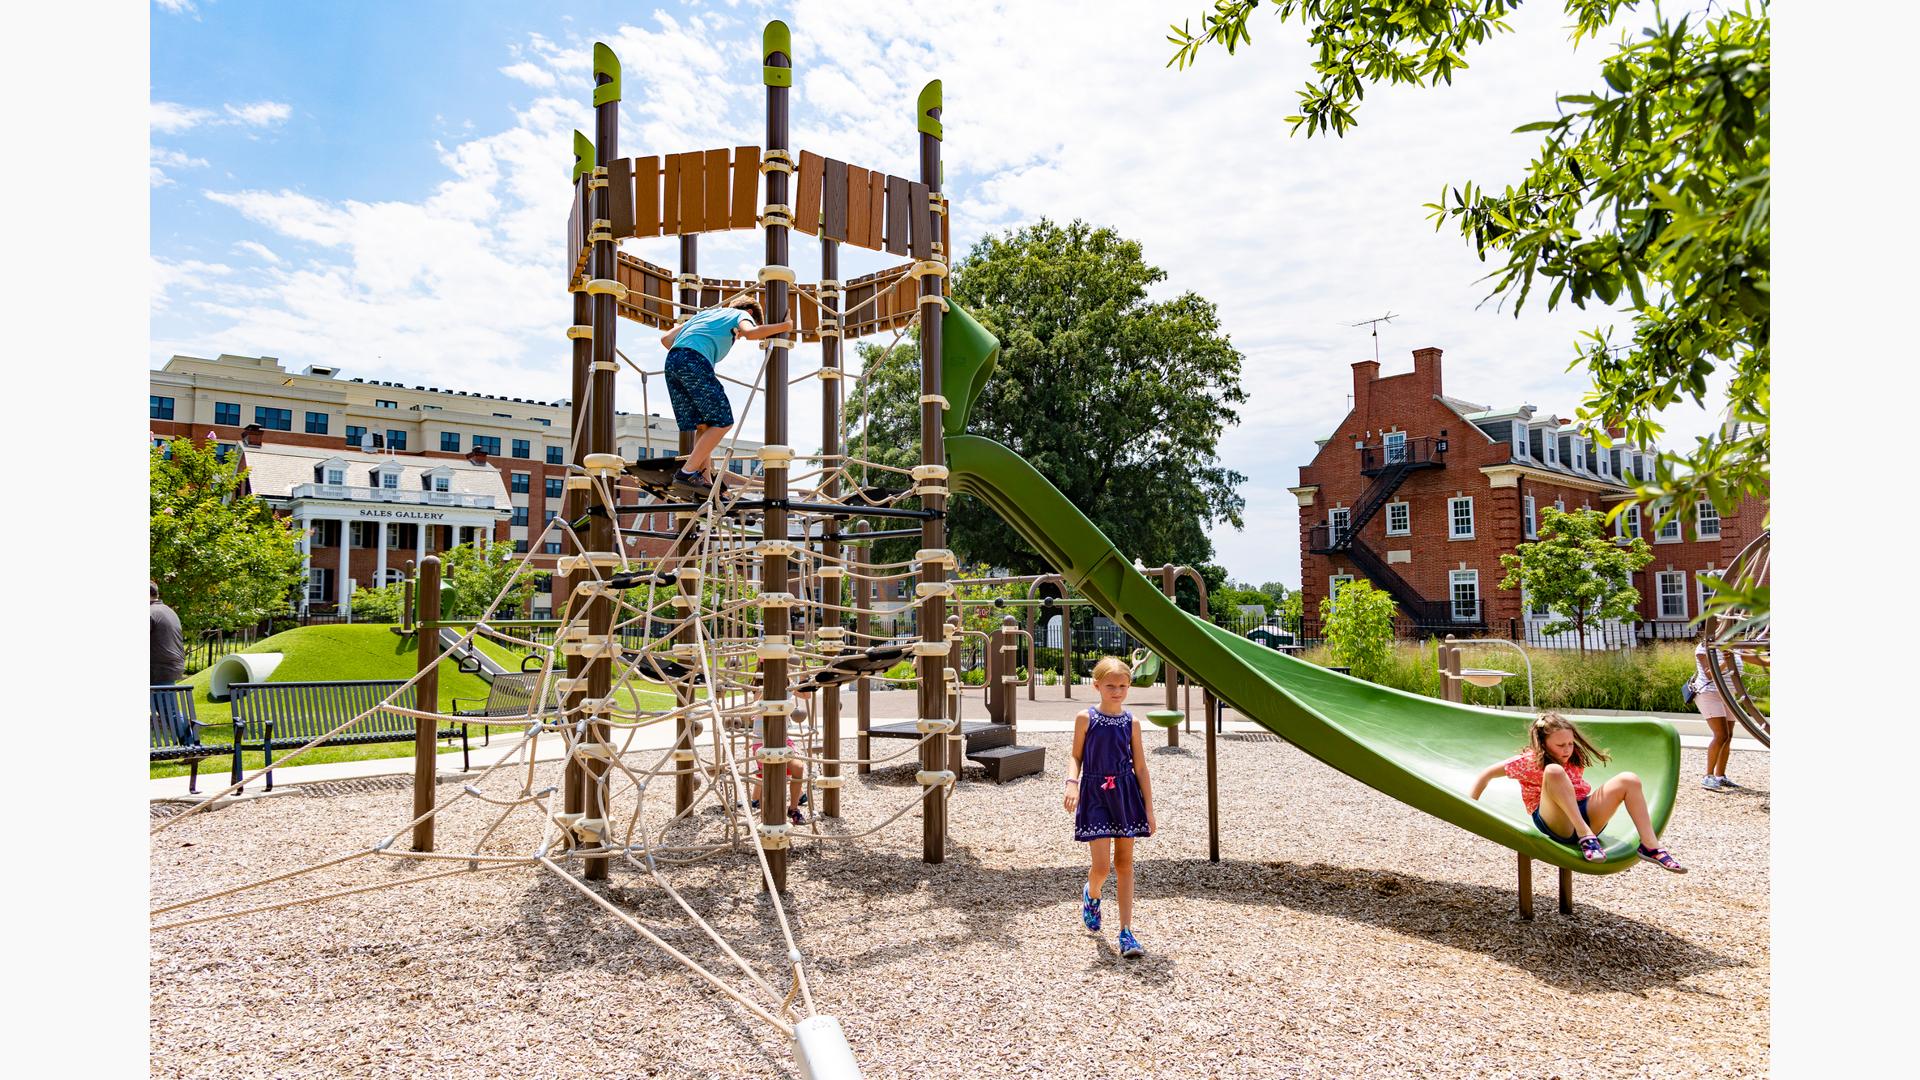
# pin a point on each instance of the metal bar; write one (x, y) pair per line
(773, 571)
(933, 532)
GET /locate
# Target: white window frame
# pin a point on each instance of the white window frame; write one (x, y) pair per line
(1340, 528)
(1453, 524)
(1662, 536)
(1522, 447)
(1627, 525)
(317, 585)
(1550, 441)
(1393, 447)
(1455, 579)
(334, 476)
(1660, 594)
(1334, 582)
(1406, 527)
(443, 483)
(1703, 511)
(1702, 591)
(1532, 524)
(1560, 505)
(1579, 447)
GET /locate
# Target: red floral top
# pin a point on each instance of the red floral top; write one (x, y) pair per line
(1522, 768)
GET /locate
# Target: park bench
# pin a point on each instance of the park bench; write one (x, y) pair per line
(507, 698)
(289, 714)
(176, 732)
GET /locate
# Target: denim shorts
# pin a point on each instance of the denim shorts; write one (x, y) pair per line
(697, 396)
(1571, 841)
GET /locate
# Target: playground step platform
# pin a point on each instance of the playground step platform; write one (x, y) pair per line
(1005, 763)
(978, 735)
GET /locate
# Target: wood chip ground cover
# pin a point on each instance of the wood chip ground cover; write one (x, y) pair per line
(1343, 934)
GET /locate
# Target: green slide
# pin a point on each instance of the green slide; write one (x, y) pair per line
(1421, 751)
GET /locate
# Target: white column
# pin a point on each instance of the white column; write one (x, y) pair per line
(306, 556)
(346, 548)
(380, 559)
(420, 543)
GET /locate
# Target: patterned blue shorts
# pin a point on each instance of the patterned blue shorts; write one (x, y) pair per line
(696, 393)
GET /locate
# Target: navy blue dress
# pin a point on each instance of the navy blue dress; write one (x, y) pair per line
(1110, 800)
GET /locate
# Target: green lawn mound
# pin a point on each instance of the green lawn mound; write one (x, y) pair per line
(343, 653)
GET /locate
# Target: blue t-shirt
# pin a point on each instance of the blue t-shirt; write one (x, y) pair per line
(710, 332)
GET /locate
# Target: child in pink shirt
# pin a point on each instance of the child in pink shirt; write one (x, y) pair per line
(1554, 789)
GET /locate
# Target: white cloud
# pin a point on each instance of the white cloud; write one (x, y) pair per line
(258, 250)
(1048, 112)
(161, 159)
(530, 73)
(260, 113)
(168, 117)
(177, 7)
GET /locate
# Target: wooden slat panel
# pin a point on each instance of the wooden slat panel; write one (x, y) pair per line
(710, 295)
(833, 200)
(897, 214)
(806, 199)
(809, 311)
(659, 290)
(646, 200)
(906, 294)
(670, 197)
(857, 295)
(693, 192)
(717, 174)
(876, 208)
(620, 196)
(746, 186)
(859, 204)
(922, 245)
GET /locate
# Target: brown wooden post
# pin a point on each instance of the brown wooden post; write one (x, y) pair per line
(1009, 653)
(573, 503)
(683, 693)
(426, 696)
(777, 621)
(1566, 891)
(1451, 688)
(834, 448)
(1212, 705)
(1169, 577)
(933, 453)
(863, 590)
(1526, 888)
(602, 533)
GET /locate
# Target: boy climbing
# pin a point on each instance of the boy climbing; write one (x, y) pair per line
(700, 404)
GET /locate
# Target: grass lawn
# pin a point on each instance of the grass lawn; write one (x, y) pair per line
(363, 651)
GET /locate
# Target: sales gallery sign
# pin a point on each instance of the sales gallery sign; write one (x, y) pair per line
(407, 515)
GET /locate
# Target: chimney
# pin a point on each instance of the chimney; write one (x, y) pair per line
(1364, 373)
(1426, 364)
(477, 456)
(250, 435)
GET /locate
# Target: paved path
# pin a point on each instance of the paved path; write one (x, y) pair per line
(1050, 710)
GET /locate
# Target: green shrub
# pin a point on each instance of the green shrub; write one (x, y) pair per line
(1646, 679)
(903, 671)
(1050, 676)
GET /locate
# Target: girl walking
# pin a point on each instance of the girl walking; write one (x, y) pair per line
(1564, 806)
(1110, 796)
(1713, 708)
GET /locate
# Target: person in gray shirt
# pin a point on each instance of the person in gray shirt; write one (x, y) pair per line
(167, 654)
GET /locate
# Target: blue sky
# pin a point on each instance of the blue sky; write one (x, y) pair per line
(382, 186)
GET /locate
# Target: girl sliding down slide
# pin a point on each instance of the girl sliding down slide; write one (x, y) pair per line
(1564, 806)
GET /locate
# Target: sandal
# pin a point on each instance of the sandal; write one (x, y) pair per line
(1660, 858)
(1592, 849)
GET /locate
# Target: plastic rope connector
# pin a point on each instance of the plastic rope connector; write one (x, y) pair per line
(934, 777)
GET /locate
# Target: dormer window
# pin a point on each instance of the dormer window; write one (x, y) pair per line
(1519, 440)
(387, 476)
(331, 472)
(437, 480)
(389, 480)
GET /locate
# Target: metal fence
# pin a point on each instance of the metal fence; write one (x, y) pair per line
(214, 644)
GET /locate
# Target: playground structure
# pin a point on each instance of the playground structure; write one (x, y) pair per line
(739, 659)
(1736, 634)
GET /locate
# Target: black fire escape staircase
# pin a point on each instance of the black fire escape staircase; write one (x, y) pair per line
(1389, 466)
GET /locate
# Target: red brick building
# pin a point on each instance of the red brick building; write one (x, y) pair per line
(1421, 493)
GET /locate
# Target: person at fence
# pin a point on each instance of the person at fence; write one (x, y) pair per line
(796, 769)
(1111, 798)
(167, 660)
(1564, 806)
(694, 349)
(1705, 696)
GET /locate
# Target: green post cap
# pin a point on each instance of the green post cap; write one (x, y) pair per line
(605, 63)
(582, 154)
(776, 38)
(929, 101)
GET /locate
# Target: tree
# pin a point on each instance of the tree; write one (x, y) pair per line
(1293, 612)
(472, 575)
(1577, 572)
(1657, 190)
(1225, 603)
(1276, 592)
(1358, 623)
(1117, 399)
(220, 557)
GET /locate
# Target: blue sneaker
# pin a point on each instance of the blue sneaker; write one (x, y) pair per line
(1089, 909)
(1130, 945)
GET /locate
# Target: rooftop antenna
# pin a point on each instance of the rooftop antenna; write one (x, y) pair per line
(1374, 324)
